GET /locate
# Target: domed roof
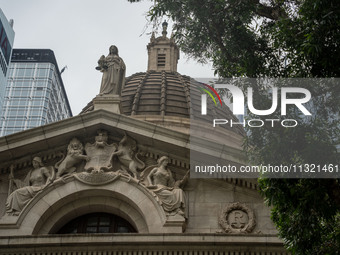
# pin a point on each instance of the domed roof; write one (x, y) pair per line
(157, 93)
(166, 93)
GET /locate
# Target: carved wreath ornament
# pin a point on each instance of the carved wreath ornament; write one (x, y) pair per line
(237, 218)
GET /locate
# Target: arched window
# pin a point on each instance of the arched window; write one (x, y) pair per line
(97, 223)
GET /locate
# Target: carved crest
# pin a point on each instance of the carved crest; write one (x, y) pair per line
(100, 153)
(237, 218)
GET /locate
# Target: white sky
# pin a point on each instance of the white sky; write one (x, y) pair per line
(80, 31)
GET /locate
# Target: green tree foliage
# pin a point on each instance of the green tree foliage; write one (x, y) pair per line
(255, 38)
(305, 211)
(281, 39)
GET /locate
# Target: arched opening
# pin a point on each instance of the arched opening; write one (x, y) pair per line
(97, 223)
(60, 203)
(88, 202)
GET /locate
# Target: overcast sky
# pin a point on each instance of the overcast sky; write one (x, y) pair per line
(80, 31)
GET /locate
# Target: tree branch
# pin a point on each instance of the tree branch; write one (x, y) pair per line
(270, 12)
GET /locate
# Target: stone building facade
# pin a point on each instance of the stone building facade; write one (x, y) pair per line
(115, 179)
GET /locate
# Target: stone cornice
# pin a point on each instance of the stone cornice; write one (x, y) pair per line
(47, 139)
(188, 240)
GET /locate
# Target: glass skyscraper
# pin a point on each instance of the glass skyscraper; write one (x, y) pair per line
(35, 94)
(6, 45)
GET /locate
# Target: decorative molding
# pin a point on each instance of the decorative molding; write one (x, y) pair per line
(134, 244)
(163, 94)
(247, 183)
(186, 85)
(97, 178)
(138, 94)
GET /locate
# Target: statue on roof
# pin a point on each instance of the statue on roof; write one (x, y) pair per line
(113, 68)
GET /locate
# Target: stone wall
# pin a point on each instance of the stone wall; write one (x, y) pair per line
(207, 199)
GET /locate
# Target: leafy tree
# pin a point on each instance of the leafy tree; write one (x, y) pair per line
(305, 211)
(277, 38)
(252, 37)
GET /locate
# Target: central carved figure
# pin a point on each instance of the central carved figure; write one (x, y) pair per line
(100, 153)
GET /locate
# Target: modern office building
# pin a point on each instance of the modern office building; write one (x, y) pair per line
(35, 94)
(6, 45)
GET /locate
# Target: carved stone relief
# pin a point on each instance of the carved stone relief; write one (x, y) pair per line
(102, 163)
(237, 218)
(160, 181)
(100, 153)
(128, 156)
(67, 165)
(21, 192)
(97, 178)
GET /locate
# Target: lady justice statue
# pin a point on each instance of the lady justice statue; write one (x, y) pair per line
(113, 69)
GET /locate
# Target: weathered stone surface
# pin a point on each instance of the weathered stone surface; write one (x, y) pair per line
(67, 165)
(22, 192)
(100, 153)
(113, 69)
(109, 102)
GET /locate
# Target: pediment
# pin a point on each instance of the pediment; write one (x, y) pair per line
(98, 151)
(50, 140)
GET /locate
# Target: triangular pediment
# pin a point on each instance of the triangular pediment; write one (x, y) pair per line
(153, 140)
(20, 148)
(100, 151)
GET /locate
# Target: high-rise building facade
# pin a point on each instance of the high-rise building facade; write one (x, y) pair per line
(35, 94)
(6, 45)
